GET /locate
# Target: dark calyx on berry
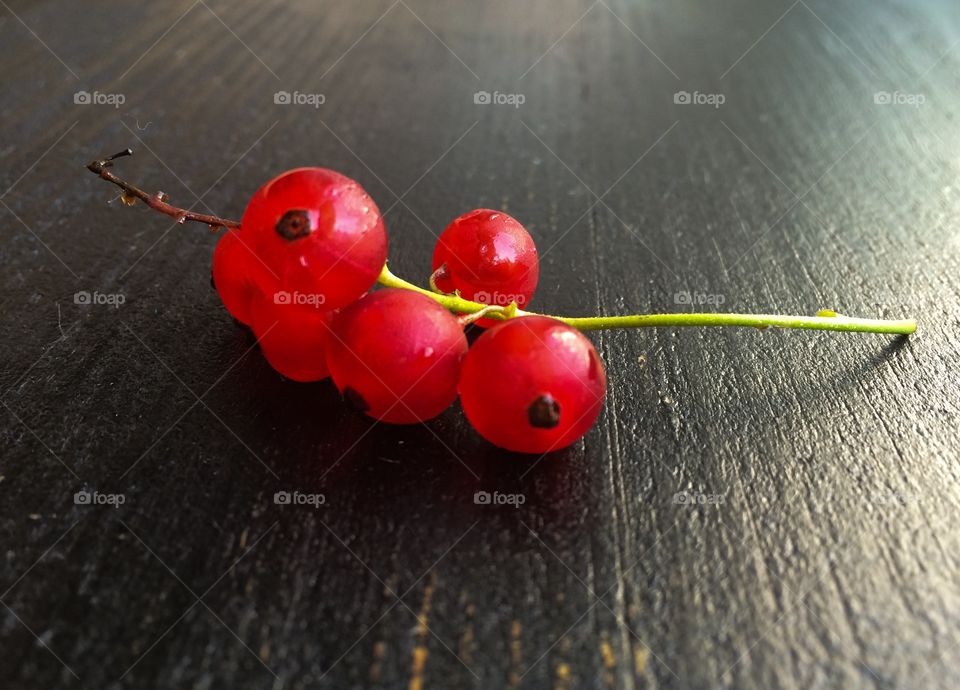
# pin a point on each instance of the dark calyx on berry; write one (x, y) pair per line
(294, 224)
(355, 399)
(544, 412)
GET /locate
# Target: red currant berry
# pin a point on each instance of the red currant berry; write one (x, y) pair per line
(489, 257)
(532, 384)
(238, 275)
(320, 232)
(292, 337)
(395, 355)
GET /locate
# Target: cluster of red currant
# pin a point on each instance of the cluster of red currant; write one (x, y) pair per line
(298, 268)
(310, 245)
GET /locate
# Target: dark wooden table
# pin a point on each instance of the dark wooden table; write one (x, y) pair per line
(752, 510)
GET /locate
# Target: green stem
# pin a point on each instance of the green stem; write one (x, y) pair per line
(451, 302)
(824, 321)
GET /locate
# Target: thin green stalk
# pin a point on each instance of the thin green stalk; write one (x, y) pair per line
(825, 320)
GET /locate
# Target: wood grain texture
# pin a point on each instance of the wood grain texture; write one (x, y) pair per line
(827, 557)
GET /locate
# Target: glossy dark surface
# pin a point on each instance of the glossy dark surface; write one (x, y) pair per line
(752, 510)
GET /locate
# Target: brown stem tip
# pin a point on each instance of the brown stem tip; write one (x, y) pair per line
(158, 201)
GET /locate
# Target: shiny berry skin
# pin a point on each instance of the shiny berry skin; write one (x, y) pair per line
(319, 232)
(490, 258)
(395, 354)
(237, 275)
(292, 337)
(532, 384)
